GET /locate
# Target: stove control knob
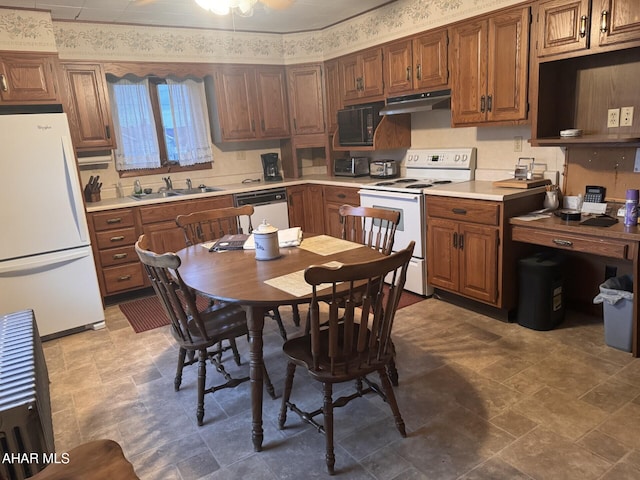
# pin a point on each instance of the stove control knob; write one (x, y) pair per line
(456, 158)
(465, 157)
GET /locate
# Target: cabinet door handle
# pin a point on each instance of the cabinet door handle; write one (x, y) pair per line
(459, 211)
(482, 104)
(341, 195)
(419, 71)
(603, 21)
(489, 103)
(295, 125)
(461, 241)
(262, 124)
(253, 125)
(583, 26)
(119, 238)
(114, 220)
(455, 239)
(562, 243)
(107, 130)
(124, 278)
(120, 256)
(408, 74)
(3, 83)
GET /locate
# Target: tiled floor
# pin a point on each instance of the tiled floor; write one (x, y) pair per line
(481, 399)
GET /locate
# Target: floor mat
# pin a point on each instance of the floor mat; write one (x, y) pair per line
(147, 313)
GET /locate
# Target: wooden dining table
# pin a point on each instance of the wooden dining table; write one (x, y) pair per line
(236, 276)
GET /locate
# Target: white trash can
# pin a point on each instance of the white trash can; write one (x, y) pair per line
(616, 295)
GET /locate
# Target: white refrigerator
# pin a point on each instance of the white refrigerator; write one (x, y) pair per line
(46, 262)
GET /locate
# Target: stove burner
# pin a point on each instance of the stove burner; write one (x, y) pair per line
(420, 185)
(441, 182)
(406, 180)
(384, 184)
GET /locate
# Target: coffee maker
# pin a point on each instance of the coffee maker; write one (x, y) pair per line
(270, 167)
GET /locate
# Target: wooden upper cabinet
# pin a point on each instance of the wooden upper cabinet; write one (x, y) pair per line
(617, 21)
(361, 76)
(251, 102)
(87, 106)
(305, 99)
(565, 26)
(489, 66)
(272, 102)
(416, 65)
(332, 93)
(28, 78)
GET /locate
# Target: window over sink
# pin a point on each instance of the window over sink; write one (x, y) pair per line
(161, 125)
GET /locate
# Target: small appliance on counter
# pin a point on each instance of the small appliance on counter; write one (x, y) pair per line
(351, 167)
(383, 169)
(357, 124)
(270, 167)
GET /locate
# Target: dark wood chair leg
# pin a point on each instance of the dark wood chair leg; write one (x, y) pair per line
(278, 319)
(182, 354)
(327, 412)
(286, 394)
(267, 383)
(234, 349)
(202, 375)
(296, 315)
(391, 400)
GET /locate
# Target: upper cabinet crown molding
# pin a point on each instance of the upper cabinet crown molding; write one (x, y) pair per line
(28, 78)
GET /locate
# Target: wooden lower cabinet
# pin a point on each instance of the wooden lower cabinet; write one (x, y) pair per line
(469, 248)
(114, 235)
(334, 198)
(159, 221)
(306, 208)
(115, 232)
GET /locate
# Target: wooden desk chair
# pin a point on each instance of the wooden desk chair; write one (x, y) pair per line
(195, 331)
(209, 225)
(96, 460)
(341, 349)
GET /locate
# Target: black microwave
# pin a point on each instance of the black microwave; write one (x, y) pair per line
(356, 125)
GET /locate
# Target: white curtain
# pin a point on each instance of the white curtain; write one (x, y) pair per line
(189, 120)
(135, 127)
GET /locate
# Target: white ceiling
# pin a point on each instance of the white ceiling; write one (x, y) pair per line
(303, 15)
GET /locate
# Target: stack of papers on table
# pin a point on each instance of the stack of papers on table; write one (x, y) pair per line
(289, 237)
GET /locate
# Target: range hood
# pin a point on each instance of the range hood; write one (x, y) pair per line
(418, 102)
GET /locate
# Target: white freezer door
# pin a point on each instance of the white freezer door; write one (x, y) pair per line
(61, 288)
(42, 208)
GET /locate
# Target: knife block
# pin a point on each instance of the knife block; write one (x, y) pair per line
(92, 197)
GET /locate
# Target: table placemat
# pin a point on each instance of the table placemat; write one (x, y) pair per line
(326, 245)
(295, 284)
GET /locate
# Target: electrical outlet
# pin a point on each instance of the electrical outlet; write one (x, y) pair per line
(626, 116)
(517, 144)
(613, 118)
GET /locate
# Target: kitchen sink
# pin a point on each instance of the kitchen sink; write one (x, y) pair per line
(174, 193)
(193, 191)
(149, 196)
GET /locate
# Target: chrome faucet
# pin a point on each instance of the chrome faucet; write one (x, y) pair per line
(167, 181)
(189, 185)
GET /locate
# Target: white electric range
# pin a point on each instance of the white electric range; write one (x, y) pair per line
(422, 169)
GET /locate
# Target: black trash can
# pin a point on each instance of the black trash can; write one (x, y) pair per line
(541, 291)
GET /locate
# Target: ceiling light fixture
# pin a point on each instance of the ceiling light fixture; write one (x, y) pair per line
(243, 8)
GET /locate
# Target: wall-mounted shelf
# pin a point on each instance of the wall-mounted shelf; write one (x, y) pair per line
(587, 140)
(393, 131)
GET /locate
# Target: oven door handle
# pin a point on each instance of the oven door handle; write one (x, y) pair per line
(394, 195)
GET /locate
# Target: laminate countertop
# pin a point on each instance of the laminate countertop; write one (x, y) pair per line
(474, 189)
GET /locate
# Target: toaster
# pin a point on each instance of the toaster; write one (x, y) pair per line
(383, 169)
(351, 167)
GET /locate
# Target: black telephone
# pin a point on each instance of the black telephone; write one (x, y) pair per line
(594, 194)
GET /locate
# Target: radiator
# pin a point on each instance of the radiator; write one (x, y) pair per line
(26, 428)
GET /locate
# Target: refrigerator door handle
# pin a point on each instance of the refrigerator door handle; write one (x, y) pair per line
(77, 206)
(42, 262)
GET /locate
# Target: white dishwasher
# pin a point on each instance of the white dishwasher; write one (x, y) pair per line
(269, 205)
